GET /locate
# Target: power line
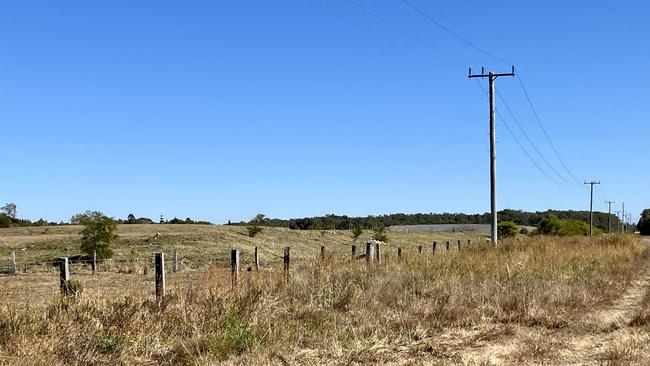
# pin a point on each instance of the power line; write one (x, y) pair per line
(521, 146)
(440, 25)
(529, 140)
(539, 120)
(404, 31)
(378, 34)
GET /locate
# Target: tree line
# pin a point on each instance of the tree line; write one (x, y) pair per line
(343, 222)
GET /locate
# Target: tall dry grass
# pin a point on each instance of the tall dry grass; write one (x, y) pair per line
(337, 312)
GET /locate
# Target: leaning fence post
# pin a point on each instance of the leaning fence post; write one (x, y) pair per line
(13, 263)
(93, 263)
(419, 249)
(378, 252)
(64, 275)
(159, 264)
(175, 267)
(234, 266)
(459, 245)
(287, 258)
(433, 247)
(354, 251)
(257, 259)
(369, 254)
(447, 245)
(322, 252)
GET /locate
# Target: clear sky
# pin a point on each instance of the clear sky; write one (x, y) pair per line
(220, 110)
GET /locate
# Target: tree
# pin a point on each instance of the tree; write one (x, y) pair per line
(9, 209)
(97, 234)
(130, 219)
(507, 229)
(644, 222)
(357, 231)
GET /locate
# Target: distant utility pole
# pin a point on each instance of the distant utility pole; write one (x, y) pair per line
(591, 206)
(618, 219)
(623, 219)
(493, 168)
(609, 217)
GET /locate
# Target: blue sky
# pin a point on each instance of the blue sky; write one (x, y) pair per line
(220, 110)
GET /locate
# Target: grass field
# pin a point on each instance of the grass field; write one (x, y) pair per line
(528, 301)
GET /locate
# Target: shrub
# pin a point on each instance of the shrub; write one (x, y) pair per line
(253, 230)
(379, 233)
(357, 231)
(97, 234)
(644, 222)
(507, 229)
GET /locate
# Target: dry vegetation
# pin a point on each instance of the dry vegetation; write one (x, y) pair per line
(519, 303)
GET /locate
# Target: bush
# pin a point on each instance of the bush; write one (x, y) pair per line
(357, 231)
(644, 222)
(253, 230)
(551, 225)
(379, 233)
(524, 231)
(97, 234)
(507, 229)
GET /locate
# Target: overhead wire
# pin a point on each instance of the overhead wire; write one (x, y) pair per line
(541, 156)
(521, 146)
(381, 35)
(413, 36)
(454, 34)
(541, 125)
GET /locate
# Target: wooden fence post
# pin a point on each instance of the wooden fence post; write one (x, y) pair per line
(469, 242)
(459, 245)
(447, 245)
(64, 275)
(159, 264)
(175, 266)
(399, 253)
(13, 263)
(433, 247)
(287, 258)
(93, 263)
(369, 254)
(378, 252)
(322, 252)
(257, 259)
(354, 251)
(234, 266)
(419, 249)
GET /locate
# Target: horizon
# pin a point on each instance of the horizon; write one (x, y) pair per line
(219, 112)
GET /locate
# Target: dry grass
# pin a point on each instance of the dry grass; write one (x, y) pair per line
(422, 309)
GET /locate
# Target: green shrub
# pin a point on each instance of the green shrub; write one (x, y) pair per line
(253, 230)
(357, 231)
(507, 229)
(379, 233)
(644, 222)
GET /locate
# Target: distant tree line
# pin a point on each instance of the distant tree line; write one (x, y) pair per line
(342, 222)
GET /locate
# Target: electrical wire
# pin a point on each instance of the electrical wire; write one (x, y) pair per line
(541, 125)
(378, 34)
(530, 141)
(454, 34)
(523, 149)
(413, 36)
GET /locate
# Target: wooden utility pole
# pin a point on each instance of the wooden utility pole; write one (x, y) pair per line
(591, 206)
(609, 216)
(623, 219)
(493, 158)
